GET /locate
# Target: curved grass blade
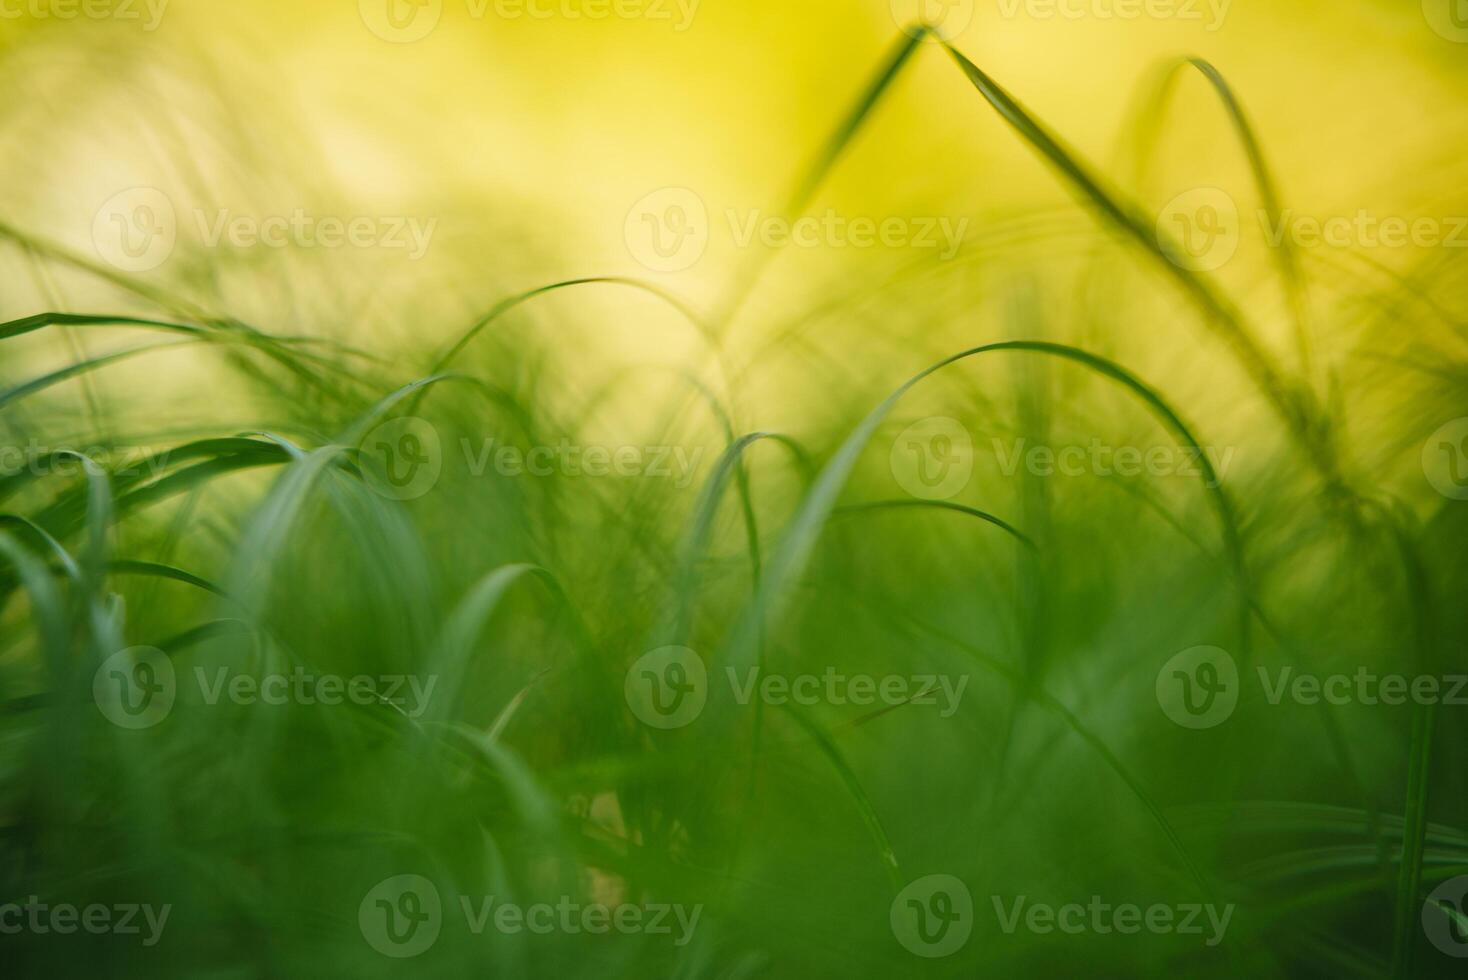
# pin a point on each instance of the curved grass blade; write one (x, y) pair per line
(83, 367)
(63, 557)
(1286, 258)
(685, 580)
(805, 527)
(49, 613)
(507, 714)
(506, 305)
(805, 188)
(857, 793)
(455, 645)
(159, 570)
(948, 505)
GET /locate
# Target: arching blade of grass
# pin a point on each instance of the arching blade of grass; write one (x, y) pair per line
(1285, 257)
(535, 807)
(149, 468)
(948, 505)
(805, 188)
(856, 792)
(99, 519)
(270, 528)
(203, 633)
(811, 179)
(137, 287)
(790, 557)
(221, 457)
(456, 642)
(1293, 405)
(506, 305)
(359, 428)
(700, 528)
(63, 557)
(106, 632)
(159, 570)
(228, 332)
(83, 367)
(39, 321)
(507, 714)
(49, 614)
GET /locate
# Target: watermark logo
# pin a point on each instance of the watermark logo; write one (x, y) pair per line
(138, 229)
(135, 688)
(405, 21)
(124, 919)
(1199, 229)
(1448, 18)
(934, 20)
(400, 21)
(572, 917)
(668, 230)
(1363, 230)
(1364, 687)
(304, 230)
(568, 459)
(1199, 687)
(135, 230)
(667, 688)
(942, 691)
(933, 916)
(409, 693)
(403, 458)
(933, 459)
(1445, 460)
(67, 461)
(1210, 13)
(1102, 918)
(1099, 459)
(148, 12)
(1445, 917)
(401, 917)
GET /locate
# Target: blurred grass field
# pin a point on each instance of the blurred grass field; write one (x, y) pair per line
(556, 489)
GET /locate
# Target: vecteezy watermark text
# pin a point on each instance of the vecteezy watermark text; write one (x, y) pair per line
(1201, 229)
(137, 688)
(138, 229)
(1099, 459)
(148, 13)
(406, 21)
(405, 459)
(120, 461)
(402, 917)
(568, 459)
(934, 459)
(669, 230)
(1209, 13)
(934, 916)
(668, 688)
(1200, 687)
(64, 919)
(1102, 918)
